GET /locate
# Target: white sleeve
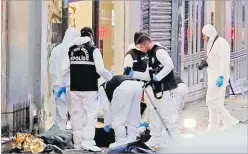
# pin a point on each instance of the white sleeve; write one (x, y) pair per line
(105, 104)
(99, 64)
(128, 61)
(65, 70)
(164, 58)
(224, 56)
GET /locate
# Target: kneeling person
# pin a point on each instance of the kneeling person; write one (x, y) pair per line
(120, 99)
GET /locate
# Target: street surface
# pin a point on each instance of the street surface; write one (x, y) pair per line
(233, 141)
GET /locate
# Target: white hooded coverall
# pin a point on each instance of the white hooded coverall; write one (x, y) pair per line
(124, 109)
(58, 55)
(218, 65)
(84, 105)
(182, 90)
(166, 106)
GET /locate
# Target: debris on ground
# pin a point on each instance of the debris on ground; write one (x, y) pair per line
(28, 143)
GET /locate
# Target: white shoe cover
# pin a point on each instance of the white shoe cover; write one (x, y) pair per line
(91, 148)
(230, 124)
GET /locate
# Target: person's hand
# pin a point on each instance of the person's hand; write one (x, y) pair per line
(60, 91)
(154, 77)
(220, 81)
(144, 124)
(131, 73)
(112, 72)
(128, 71)
(107, 128)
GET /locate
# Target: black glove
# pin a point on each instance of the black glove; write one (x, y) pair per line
(127, 70)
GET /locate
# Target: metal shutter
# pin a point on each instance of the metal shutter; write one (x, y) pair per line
(157, 15)
(186, 27)
(145, 16)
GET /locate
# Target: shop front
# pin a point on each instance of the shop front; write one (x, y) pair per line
(99, 16)
(114, 27)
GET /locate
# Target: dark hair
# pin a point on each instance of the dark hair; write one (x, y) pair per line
(87, 31)
(137, 35)
(143, 38)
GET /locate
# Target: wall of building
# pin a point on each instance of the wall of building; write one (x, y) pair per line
(23, 51)
(3, 54)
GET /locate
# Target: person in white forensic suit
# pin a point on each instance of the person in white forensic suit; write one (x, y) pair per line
(218, 71)
(58, 54)
(84, 65)
(181, 93)
(120, 100)
(163, 86)
(138, 61)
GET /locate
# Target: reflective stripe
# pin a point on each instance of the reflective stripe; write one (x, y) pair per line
(150, 68)
(135, 61)
(144, 58)
(82, 62)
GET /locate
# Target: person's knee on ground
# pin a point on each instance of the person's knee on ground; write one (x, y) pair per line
(120, 136)
(182, 91)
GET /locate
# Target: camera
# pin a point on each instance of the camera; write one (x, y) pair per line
(203, 64)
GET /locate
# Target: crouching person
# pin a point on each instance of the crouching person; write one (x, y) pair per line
(122, 94)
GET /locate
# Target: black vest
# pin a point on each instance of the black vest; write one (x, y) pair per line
(83, 75)
(111, 85)
(140, 60)
(178, 80)
(168, 82)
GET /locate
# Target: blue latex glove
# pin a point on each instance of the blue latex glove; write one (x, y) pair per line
(144, 124)
(219, 81)
(60, 91)
(107, 128)
(154, 77)
(131, 73)
(113, 73)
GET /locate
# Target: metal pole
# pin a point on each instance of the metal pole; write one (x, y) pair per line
(174, 34)
(95, 21)
(155, 108)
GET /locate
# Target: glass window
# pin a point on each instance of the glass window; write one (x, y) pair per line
(55, 22)
(202, 24)
(192, 26)
(243, 25)
(106, 32)
(196, 30)
(186, 27)
(77, 14)
(233, 28)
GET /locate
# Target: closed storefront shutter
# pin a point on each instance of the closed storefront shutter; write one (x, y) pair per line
(156, 17)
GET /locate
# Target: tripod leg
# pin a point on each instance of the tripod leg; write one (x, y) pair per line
(161, 119)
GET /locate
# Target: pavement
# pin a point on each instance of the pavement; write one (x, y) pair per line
(196, 140)
(237, 106)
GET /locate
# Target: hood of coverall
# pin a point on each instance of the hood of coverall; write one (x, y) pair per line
(59, 53)
(130, 47)
(70, 34)
(82, 40)
(209, 31)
